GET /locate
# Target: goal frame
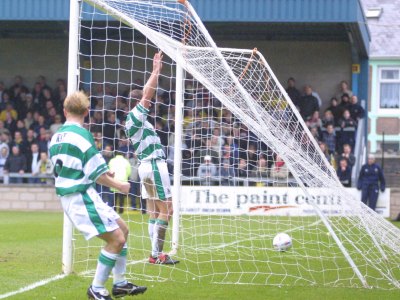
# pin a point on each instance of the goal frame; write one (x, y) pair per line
(73, 76)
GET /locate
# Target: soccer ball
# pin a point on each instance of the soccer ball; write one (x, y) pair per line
(282, 242)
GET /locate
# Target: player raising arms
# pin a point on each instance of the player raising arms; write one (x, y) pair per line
(77, 167)
(153, 170)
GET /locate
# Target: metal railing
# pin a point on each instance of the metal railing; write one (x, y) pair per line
(360, 150)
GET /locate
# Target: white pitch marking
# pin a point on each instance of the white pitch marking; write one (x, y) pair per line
(51, 279)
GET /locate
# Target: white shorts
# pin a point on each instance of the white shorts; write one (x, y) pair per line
(89, 214)
(154, 178)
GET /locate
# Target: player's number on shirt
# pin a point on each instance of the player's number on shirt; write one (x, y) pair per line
(57, 167)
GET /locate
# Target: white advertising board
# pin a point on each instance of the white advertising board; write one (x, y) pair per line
(272, 201)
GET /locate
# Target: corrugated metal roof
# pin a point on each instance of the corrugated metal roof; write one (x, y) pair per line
(347, 12)
(209, 10)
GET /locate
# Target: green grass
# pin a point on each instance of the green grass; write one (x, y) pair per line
(30, 250)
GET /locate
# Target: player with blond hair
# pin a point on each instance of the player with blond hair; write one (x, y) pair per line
(77, 167)
(153, 171)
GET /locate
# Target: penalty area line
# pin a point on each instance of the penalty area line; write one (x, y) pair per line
(51, 279)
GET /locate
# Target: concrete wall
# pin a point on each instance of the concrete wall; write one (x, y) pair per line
(27, 197)
(321, 64)
(32, 57)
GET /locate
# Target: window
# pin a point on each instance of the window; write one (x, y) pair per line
(389, 84)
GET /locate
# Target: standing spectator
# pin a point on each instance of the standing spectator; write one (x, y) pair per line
(344, 104)
(206, 171)
(369, 181)
(279, 172)
(348, 133)
(56, 125)
(242, 168)
(135, 183)
(335, 109)
(344, 173)
(8, 110)
(292, 91)
(344, 89)
(261, 172)
(121, 168)
(307, 104)
(3, 159)
(44, 168)
(314, 121)
(33, 163)
(348, 155)
(227, 174)
(329, 138)
(15, 163)
(356, 110)
(328, 119)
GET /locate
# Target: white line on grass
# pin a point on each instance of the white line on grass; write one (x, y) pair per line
(51, 279)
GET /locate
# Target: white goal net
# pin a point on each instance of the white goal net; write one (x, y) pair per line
(249, 167)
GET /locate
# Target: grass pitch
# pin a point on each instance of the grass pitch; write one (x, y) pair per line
(30, 251)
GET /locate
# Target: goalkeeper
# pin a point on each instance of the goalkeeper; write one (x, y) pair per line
(153, 170)
(77, 167)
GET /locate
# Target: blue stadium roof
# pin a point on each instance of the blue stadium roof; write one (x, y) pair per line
(347, 12)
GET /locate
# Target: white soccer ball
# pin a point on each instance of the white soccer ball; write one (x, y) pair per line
(282, 242)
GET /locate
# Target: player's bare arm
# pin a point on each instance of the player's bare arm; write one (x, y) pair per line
(109, 181)
(151, 85)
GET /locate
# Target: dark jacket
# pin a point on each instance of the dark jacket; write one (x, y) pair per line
(344, 176)
(307, 104)
(14, 164)
(371, 175)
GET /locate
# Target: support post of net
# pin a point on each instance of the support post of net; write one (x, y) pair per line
(72, 87)
(176, 189)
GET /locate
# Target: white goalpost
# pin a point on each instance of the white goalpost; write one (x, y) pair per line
(243, 164)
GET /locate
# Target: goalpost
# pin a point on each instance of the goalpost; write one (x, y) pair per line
(244, 165)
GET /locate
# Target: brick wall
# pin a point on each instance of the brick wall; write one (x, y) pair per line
(23, 197)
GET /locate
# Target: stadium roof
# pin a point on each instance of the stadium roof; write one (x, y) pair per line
(312, 20)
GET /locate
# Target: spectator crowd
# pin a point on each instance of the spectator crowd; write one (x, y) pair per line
(217, 148)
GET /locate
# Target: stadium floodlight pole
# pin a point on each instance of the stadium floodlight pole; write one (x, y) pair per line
(72, 87)
(176, 189)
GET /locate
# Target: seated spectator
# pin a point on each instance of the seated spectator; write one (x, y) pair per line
(329, 138)
(292, 91)
(44, 168)
(21, 128)
(356, 110)
(307, 104)
(279, 172)
(335, 109)
(344, 89)
(15, 163)
(33, 159)
(3, 159)
(348, 155)
(344, 173)
(206, 171)
(348, 126)
(5, 100)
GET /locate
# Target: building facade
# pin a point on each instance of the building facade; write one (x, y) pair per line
(384, 92)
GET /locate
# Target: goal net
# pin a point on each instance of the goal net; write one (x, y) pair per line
(244, 165)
